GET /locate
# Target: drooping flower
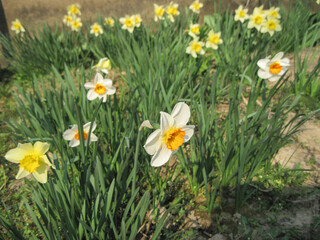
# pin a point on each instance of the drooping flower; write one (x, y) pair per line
(96, 29)
(257, 18)
(137, 20)
(213, 40)
(195, 47)
(74, 9)
(172, 10)
(274, 13)
(128, 23)
(195, 6)
(273, 69)
(158, 12)
(270, 25)
(99, 88)
(173, 132)
(194, 30)
(104, 65)
(76, 24)
(31, 160)
(72, 134)
(241, 14)
(109, 21)
(17, 27)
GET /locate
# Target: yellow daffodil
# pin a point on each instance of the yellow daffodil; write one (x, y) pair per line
(76, 24)
(137, 20)
(194, 30)
(270, 25)
(72, 134)
(31, 160)
(318, 1)
(256, 19)
(99, 88)
(158, 12)
(17, 27)
(109, 21)
(128, 23)
(273, 69)
(213, 40)
(172, 10)
(274, 13)
(195, 6)
(96, 29)
(104, 65)
(67, 19)
(173, 132)
(195, 47)
(241, 14)
(74, 9)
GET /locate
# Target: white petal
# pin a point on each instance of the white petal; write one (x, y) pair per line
(22, 173)
(262, 63)
(107, 82)
(98, 77)
(285, 62)
(41, 147)
(181, 114)
(111, 90)
(89, 85)
(69, 134)
(74, 142)
(15, 155)
(274, 78)
(166, 122)
(41, 173)
(161, 157)
(86, 127)
(189, 130)
(277, 57)
(153, 142)
(91, 95)
(93, 137)
(263, 74)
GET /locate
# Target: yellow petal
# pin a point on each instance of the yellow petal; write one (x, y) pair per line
(41, 148)
(15, 155)
(22, 173)
(40, 174)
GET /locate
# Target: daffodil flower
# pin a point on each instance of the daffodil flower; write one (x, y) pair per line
(137, 20)
(17, 27)
(104, 65)
(173, 132)
(76, 24)
(213, 40)
(195, 6)
(158, 12)
(270, 25)
(96, 29)
(172, 10)
(128, 23)
(257, 18)
(31, 160)
(109, 21)
(273, 69)
(74, 9)
(100, 88)
(241, 14)
(274, 13)
(195, 47)
(72, 134)
(318, 1)
(194, 30)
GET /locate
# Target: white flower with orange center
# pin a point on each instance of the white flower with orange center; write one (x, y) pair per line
(74, 9)
(73, 135)
(99, 88)
(128, 23)
(256, 19)
(137, 20)
(241, 14)
(195, 6)
(76, 24)
(31, 160)
(172, 10)
(274, 13)
(17, 27)
(158, 12)
(109, 21)
(173, 132)
(96, 29)
(213, 40)
(194, 30)
(195, 48)
(271, 25)
(104, 65)
(273, 69)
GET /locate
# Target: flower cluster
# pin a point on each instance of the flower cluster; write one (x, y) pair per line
(130, 22)
(171, 10)
(265, 21)
(17, 27)
(72, 19)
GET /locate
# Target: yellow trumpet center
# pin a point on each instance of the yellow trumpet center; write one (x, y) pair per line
(96, 29)
(77, 137)
(128, 22)
(275, 68)
(195, 30)
(258, 20)
(30, 162)
(271, 25)
(274, 14)
(17, 25)
(159, 12)
(196, 6)
(214, 39)
(173, 138)
(242, 13)
(100, 89)
(172, 10)
(196, 47)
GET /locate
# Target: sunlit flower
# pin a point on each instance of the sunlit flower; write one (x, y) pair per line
(195, 6)
(76, 24)
(31, 159)
(195, 47)
(137, 20)
(172, 10)
(256, 19)
(96, 29)
(318, 1)
(274, 12)
(104, 65)
(72, 134)
(241, 14)
(273, 69)
(270, 25)
(109, 21)
(128, 23)
(173, 132)
(67, 19)
(194, 30)
(213, 40)
(99, 88)
(17, 27)
(74, 9)
(158, 12)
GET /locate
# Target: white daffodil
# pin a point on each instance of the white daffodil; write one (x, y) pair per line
(195, 47)
(194, 30)
(100, 88)
(137, 20)
(74, 9)
(195, 6)
(271, 25)
(173, 132)
(67, 19)
(158, 12)
(172, 10)
(109, 21)
(72, 134)
(274, 13)
(213, 40)
(96, 29)
(17, 27)
(104, 65)
(128, 23)
(76, 24)
(273, 69)
(241, 14)
(31, 160)
(257, 18)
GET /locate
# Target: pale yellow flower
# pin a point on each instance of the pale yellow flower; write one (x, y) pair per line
(104, 65)
(137, 20)
(271, 25)
(195, 48)
(96, 29)
(257, 18)
(76, 24)
(158, 12)
(109, 21)
(195, 6)
(31, 160)
(241, 14)
(172, 10)
(194, 30)
(128, 23)
(67, 19)
(274, 12)
(213, 40)
(17, 27)
(74, 9)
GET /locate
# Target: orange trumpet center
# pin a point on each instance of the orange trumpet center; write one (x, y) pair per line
(85, 135)
(275, 68)
(173, 138)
